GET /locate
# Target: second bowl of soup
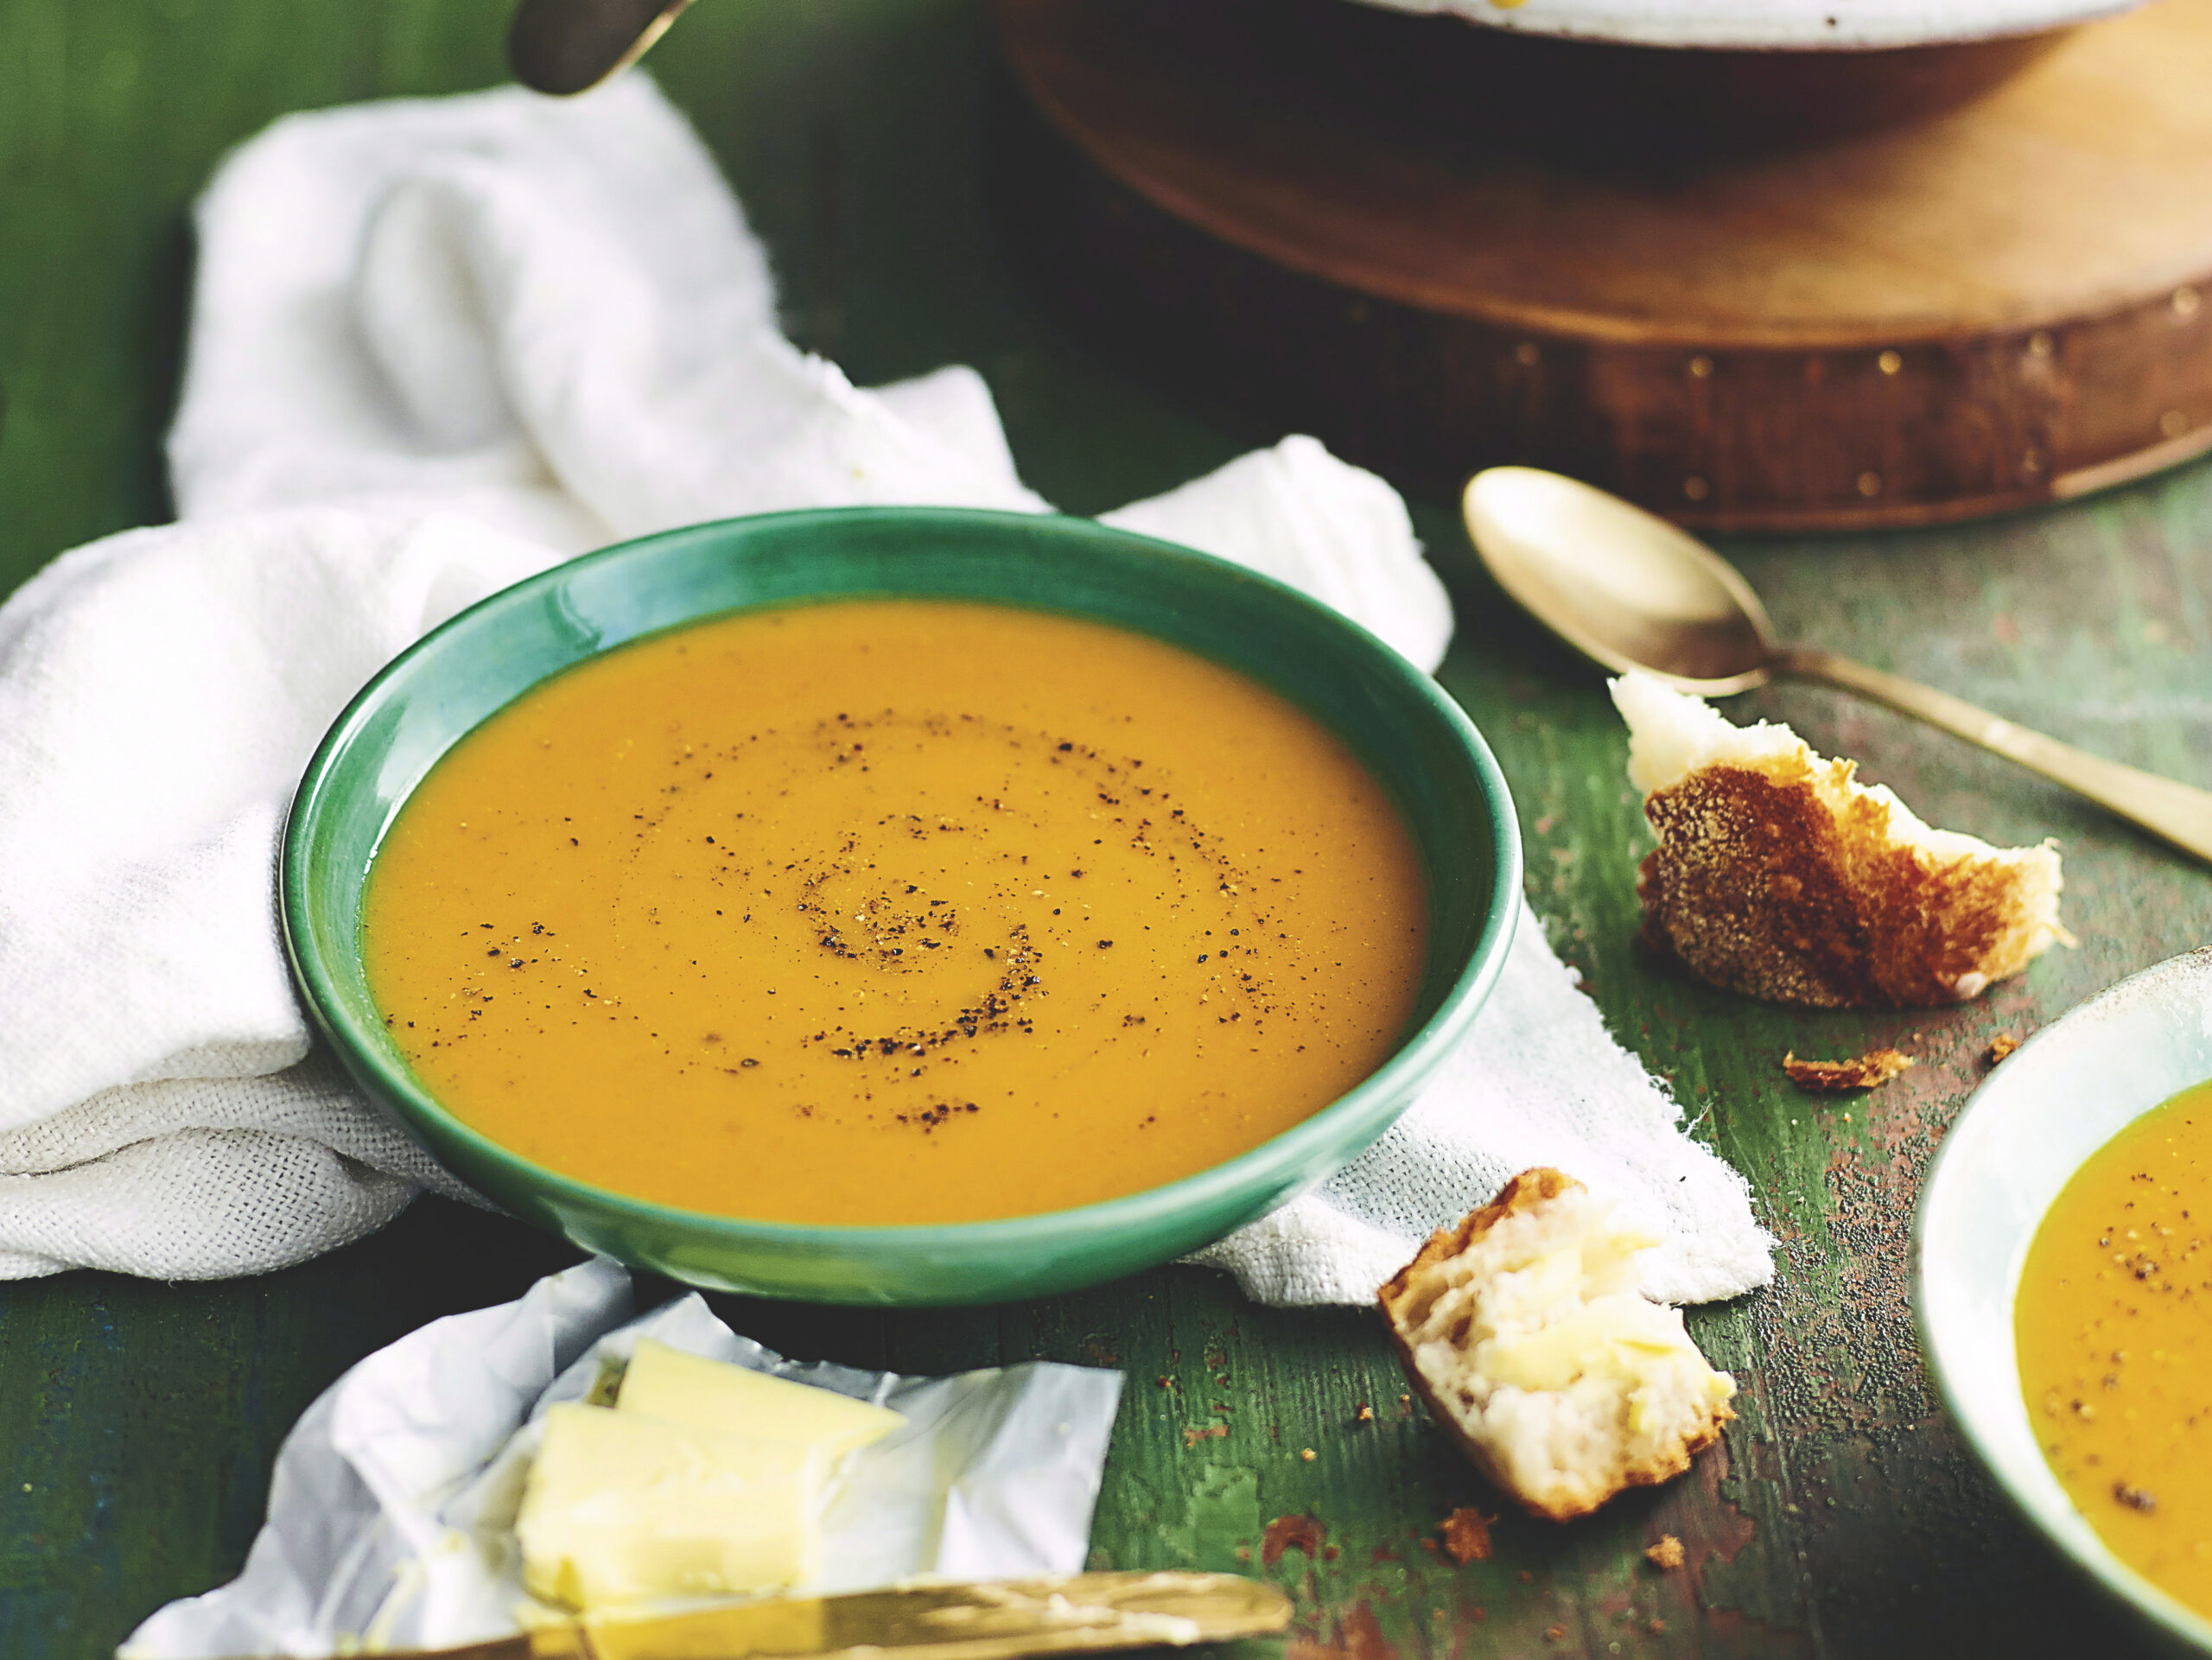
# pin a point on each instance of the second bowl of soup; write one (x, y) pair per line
(897, 904)
(2060, 1287)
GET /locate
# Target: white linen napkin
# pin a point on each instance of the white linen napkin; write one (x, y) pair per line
(436, 346)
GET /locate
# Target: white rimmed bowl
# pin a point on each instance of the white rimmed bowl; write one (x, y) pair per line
(2062, 1095)
(1775, 25)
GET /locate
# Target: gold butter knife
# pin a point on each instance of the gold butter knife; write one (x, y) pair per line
(1075, 1613)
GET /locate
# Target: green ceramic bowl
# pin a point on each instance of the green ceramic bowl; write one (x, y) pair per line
(1412, 735)
(2066, 1092)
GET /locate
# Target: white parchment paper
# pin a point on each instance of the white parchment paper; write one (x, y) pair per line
(392, 1505)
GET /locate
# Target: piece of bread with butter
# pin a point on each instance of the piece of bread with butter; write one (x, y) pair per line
(1523, 1331)
(1778, 875)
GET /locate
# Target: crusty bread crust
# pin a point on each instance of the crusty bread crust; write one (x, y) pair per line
(1867, 1072)
(1766, 884)
(1404, 1308)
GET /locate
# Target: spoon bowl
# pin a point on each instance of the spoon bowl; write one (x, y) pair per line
(1620, 585)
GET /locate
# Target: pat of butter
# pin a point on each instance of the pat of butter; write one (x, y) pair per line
(715, 1396)
(1613, 1338)
(621, 1506)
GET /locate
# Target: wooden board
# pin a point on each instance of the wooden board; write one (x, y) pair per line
(1954, 315)
(1841, 1518)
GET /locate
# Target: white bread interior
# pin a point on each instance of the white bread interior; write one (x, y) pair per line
(1524, 1331)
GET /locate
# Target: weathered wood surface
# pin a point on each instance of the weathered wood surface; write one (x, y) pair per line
(1842, 1517)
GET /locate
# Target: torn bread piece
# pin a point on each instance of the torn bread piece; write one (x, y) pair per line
(1779, 876)
(1524, 1330)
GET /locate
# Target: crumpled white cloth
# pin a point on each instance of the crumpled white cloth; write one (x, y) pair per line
(436, 346)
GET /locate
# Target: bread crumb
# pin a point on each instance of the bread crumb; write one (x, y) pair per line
(1467, 1536)
(1780, 876)
(1365, 1415)
(2001, 1046)
(1306, 1452)
(1525, 1332)
(1866, 1072)
(1666, 1553)
(1554, 1633)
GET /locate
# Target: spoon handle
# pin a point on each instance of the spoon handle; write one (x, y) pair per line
(567, 47)
(2175, 812)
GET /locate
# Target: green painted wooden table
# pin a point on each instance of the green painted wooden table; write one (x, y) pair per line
(138, 1421)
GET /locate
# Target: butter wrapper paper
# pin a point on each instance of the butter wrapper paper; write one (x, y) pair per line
(392, 1508)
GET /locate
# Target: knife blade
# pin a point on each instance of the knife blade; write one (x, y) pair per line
(1075, 1613)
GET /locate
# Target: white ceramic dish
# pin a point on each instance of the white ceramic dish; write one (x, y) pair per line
(2023, 1135)
(1775, 25)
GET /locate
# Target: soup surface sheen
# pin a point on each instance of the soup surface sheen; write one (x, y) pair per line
(2114, 1320)
(883, 911)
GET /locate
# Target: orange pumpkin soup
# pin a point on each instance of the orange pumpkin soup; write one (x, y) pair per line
(2114, 1320)
(886, 911)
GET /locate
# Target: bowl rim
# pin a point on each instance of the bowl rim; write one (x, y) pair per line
(1782, 28)
(1419, 1053)
(2082, 1545)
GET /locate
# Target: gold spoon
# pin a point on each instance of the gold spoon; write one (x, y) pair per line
(1632, 592)
(565, 46)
